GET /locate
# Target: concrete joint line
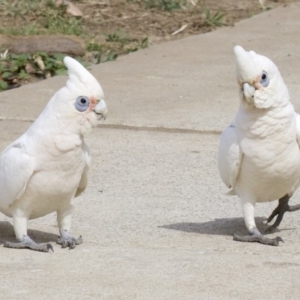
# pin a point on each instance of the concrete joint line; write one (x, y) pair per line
(134, 128)
(16, 119)
(159, 129)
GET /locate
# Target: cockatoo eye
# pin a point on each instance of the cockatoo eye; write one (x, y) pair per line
(82, 103)
(264, 81)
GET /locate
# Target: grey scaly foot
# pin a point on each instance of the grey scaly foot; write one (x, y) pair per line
(67, 240)
(279, 211)
(27, 243)
(256, 236)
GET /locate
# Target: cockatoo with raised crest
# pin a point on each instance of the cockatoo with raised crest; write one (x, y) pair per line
(259, 156)
(43, 170)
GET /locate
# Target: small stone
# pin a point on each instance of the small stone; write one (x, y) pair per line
(50, 44)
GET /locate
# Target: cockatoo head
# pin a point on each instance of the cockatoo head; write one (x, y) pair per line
(260, 81)
(80, 104)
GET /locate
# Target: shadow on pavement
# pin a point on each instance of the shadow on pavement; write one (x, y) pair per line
(7, 234)
(227, 226)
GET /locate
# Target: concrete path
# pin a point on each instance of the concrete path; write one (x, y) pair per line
(155, 221)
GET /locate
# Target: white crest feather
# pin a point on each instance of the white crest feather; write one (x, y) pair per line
(81, 79)
(250, 64)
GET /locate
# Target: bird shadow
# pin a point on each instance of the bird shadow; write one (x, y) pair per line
(224, 226)
(7, 233)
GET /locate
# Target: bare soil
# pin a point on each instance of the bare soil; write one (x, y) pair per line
(138, 21)
(114, 27)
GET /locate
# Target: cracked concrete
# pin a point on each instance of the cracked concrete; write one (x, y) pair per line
(155, 220)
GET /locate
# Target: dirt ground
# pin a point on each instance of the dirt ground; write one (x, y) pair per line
(110, 28)
(136, 20)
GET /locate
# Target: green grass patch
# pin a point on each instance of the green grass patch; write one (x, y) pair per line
(17, 68)
(215, 20)
(117, 43)
(168, 5)
(47, 18)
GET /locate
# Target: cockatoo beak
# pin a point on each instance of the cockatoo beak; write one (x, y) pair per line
(248, 92)
(101, 109)
(247, 65)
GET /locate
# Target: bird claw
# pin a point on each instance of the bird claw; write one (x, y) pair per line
(67, 240)
(27, 243)
(65, 244)
(279, 211)
(49, 247)
(256, 236)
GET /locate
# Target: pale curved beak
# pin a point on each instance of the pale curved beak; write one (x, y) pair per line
(248, 92)
(101, 109)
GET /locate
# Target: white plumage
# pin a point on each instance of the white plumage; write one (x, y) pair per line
(43, 170)
(259, 157)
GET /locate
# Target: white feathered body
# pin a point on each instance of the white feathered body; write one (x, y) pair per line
(259, 155)
(270, 162)
(43, 170)
(54, 160)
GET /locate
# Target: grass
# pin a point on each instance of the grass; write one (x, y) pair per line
(168, 5)
(116, 36)
(30, 29)
(38, 17)
(19, 8)
(215, 20)
(49, 19)
(15, 69)
(18, 68)
(60, 24)
(117, 43)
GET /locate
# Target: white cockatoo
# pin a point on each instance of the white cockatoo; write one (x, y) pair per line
(259, 156)
(43, 170)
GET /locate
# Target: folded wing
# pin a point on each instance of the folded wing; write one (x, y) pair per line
(16, 168)
(230, 157)
(84, 177)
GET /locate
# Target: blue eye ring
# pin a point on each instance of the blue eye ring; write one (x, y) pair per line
(264, 81)
(82, 103)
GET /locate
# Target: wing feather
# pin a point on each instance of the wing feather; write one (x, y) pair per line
(16, 168)
(84, 177)
(230, 157)
(298, 128)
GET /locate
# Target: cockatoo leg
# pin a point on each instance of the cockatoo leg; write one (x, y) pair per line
(27, 243)
(24, 241)
(64, 219)
(254, 234)
(279, 211)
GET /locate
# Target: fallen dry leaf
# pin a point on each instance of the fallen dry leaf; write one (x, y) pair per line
(73, 10)
(38, 60)
(29, 69)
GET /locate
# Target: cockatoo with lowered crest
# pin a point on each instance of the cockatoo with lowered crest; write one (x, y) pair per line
(259, 156)
(43, 170)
